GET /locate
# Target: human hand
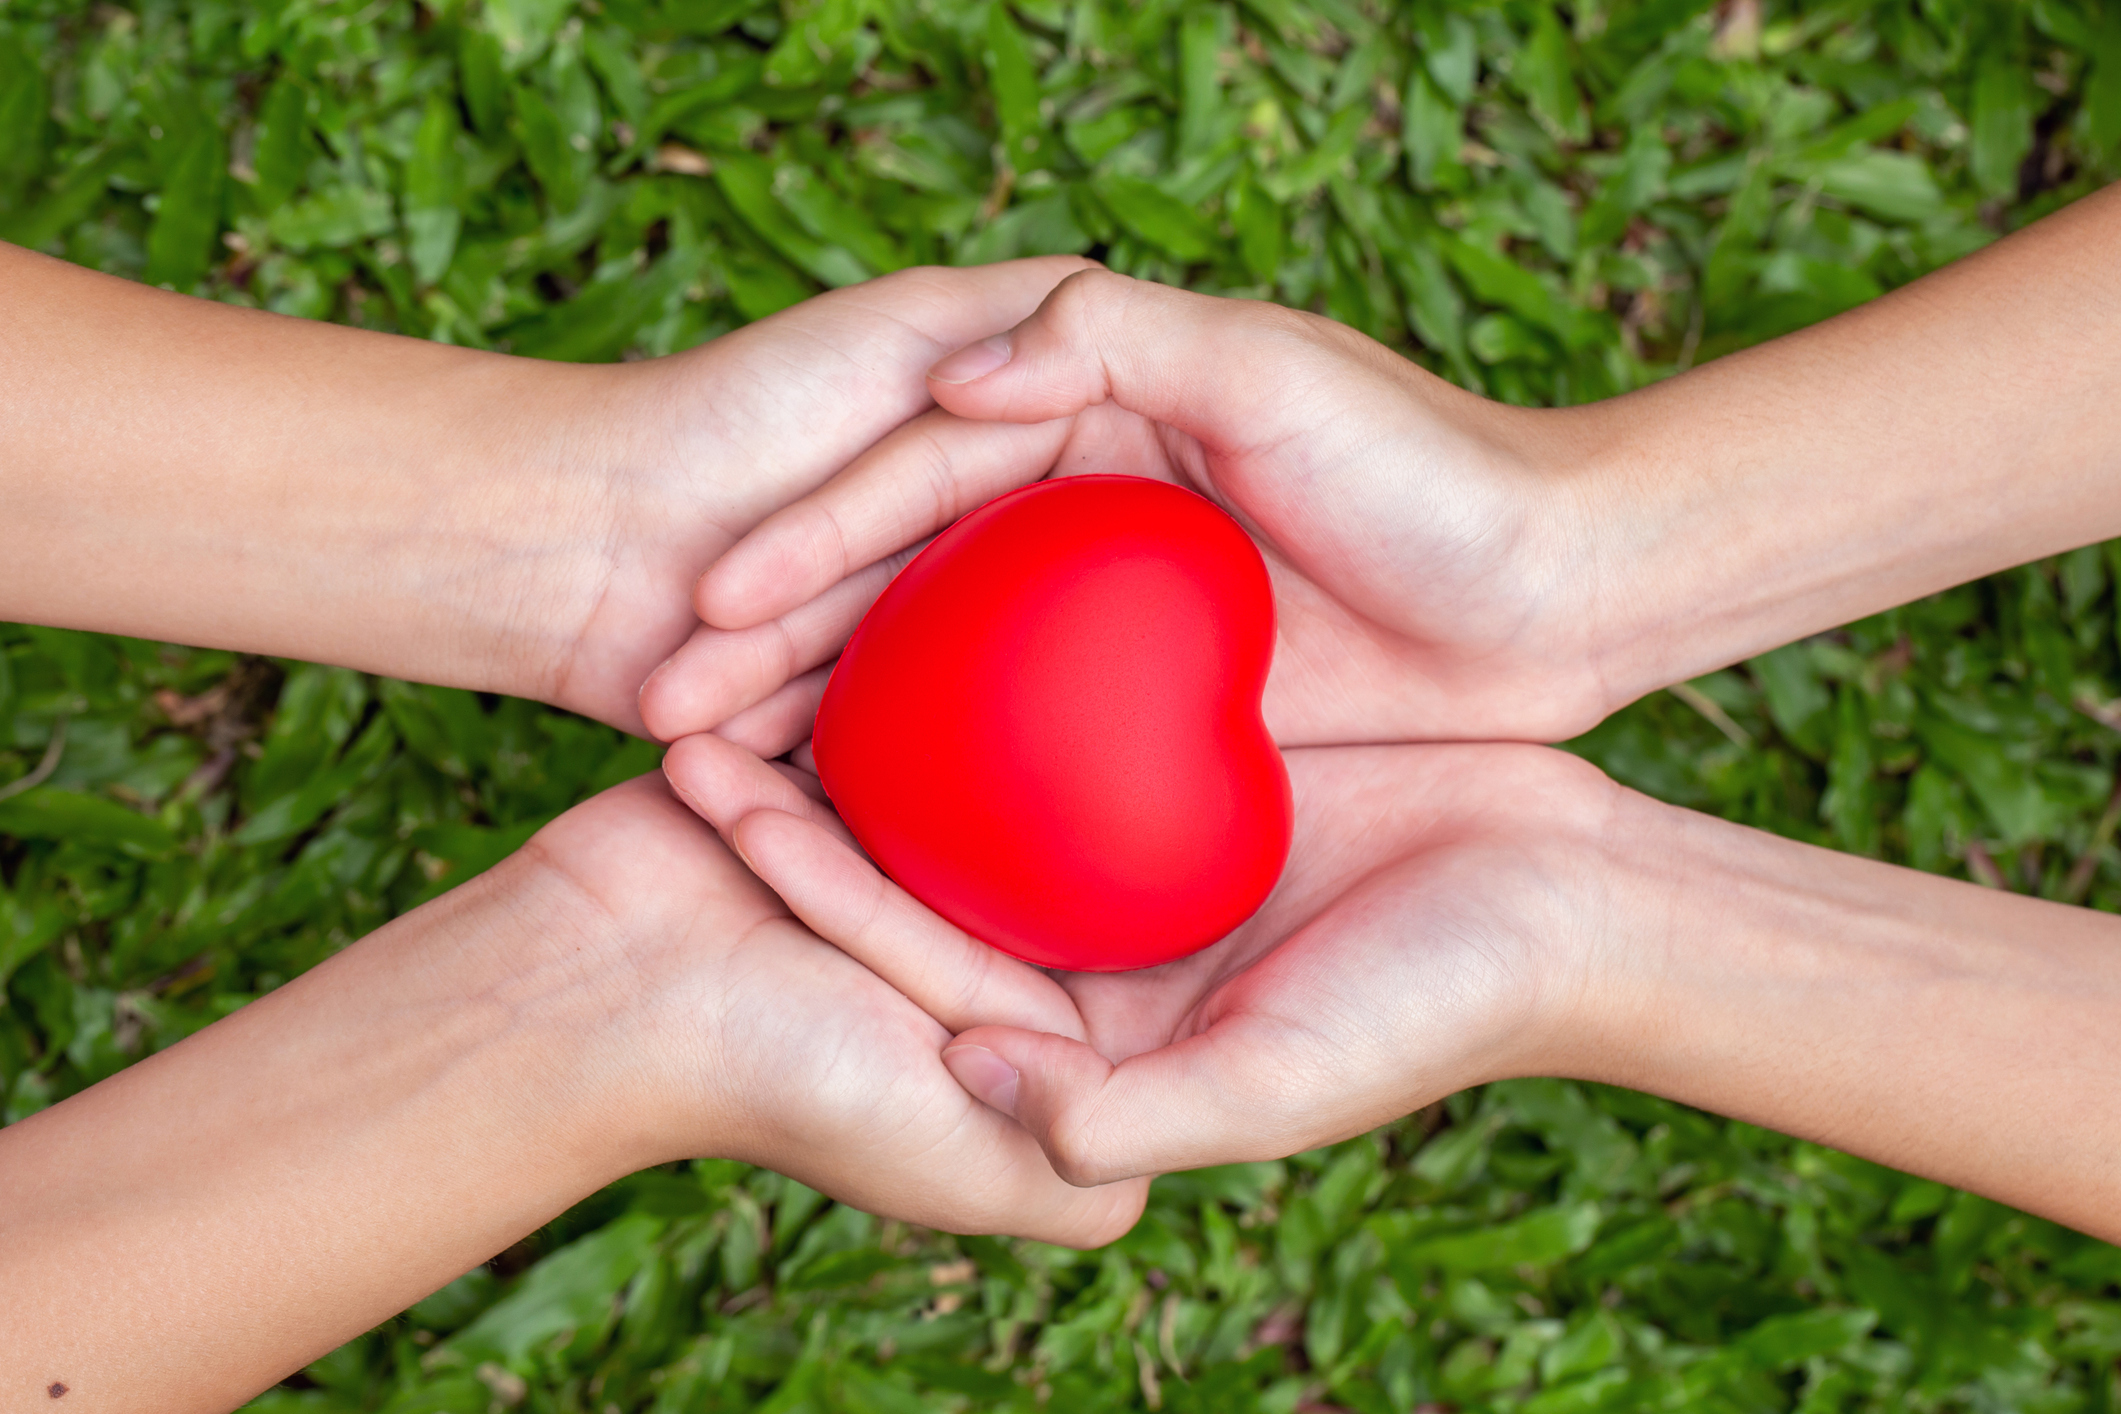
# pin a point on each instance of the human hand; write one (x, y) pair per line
(736, 1032)
(1453, 914)
(620, 993)
(1431, 931)
(431, 512)
(697, 448)
(1450, 568)
(1430, 576)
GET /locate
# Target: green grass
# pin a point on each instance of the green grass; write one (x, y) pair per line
(1549, 205)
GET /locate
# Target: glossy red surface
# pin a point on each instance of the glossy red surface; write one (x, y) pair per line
(1047, 729)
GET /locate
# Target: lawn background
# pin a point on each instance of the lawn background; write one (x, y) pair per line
(1549, 205)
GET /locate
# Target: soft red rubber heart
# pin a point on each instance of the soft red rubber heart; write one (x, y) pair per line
(1047, 729)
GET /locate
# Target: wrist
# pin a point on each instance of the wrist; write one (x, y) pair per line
(1853, 1003)
(606, 492)
(1628, 875)
(1576, 578)
(1674, 573)
(389, 1119)
(501, 1000)
(565, 994)
(1536, 832)
(528, 533)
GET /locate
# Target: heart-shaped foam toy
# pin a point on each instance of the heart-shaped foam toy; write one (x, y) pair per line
(1047, 729)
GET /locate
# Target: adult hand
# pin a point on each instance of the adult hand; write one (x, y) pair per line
(1453, 914)
(620, 993)
(245, 480)
(1430, 577)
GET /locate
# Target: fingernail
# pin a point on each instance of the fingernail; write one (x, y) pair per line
(973, 361)
(677, 789)
(649, 681)
(991, 1079)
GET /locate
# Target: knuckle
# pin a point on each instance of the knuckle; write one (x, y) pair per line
(938, 479)
(831, 552)
(1297, 331)
(1071, 1148)
(779, 649)
(915, 276)
(1119, 1218)
(1077, 298)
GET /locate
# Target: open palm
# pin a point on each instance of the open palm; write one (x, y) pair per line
(738, 1033)
(1417, 942)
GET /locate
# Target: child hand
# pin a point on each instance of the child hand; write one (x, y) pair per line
(620, 993)
(1425, 936)
(1432, 575)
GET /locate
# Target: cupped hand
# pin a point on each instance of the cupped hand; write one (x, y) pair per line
(1430, 931)
(1431, 577)
(723, 1026)
(685, 454)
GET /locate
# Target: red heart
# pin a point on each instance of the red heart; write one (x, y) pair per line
(1047, 729)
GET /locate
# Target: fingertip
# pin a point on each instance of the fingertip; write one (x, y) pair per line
(760, 836)
(679, 780)
(682, 759)
(1099, 1217)
(1127, 1201)
(649, 706)
(755, 831)
(986, 1076)
(728, 594)
(677, 698)
(715, 778)
(973, 362)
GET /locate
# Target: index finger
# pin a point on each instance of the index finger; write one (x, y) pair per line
(954, 977)
(911, 484)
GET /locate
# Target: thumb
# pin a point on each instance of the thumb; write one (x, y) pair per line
(1202, 364)
(1237, 1092)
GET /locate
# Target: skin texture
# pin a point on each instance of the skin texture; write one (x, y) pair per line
(1454, 914)
(179, 469)
(1450, 568)
(620, 993)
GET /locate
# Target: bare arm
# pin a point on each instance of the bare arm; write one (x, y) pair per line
(621, 993)
(180, 469)
(1457, 914)
(1957, 426)
(1449, 568)
(1962, 1033)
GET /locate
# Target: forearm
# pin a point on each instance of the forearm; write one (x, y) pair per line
(193, 1229)
(1957, 1032)
(1960, 425)
(179, 469)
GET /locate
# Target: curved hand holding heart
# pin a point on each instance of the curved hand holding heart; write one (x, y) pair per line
(618, 994)
(1447, 567)
(1419, 941)
(1430, 583)
(1460, 913)
(1097, 645)
(712, 440)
